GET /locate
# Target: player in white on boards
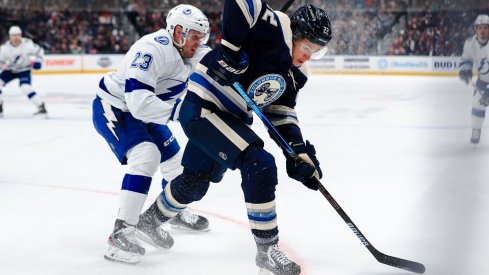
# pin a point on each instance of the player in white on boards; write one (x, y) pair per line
(18, 56)
(131, 111)
(476, 53)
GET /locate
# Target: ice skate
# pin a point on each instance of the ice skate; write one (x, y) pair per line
(123, 245)
(271, 260)
(41, 112)
(186, 220)
(150, 231)
(476, 135)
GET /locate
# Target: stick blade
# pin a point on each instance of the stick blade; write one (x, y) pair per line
(401, 263)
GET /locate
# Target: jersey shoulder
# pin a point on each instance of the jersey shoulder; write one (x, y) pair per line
(285, 26)
(158, 43)
(27, 40)
(469, 40)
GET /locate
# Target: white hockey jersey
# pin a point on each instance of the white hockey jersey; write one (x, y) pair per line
(477, 56)
(20, 58)
(150, 79)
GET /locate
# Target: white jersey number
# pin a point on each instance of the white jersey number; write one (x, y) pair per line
(270, 17)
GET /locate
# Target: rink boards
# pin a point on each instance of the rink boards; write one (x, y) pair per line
(353, 65)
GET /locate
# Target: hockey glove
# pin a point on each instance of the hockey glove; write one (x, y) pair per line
(228, 66)
(36, 65)
(306, 169)
(465, 75)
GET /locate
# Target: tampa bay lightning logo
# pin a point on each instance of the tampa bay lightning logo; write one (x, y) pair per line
(483, 67)
(163, 40)
(187, 11)
(266, 89)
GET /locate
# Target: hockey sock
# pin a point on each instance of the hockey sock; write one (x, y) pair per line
(133, 195)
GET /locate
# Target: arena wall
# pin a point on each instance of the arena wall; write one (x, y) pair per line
(363, 65)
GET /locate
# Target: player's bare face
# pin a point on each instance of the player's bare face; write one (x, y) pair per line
(193, 41)
(482, 32)
(302, 50)
(15, 39)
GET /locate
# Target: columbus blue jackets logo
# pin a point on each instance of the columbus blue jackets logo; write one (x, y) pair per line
(266, 89)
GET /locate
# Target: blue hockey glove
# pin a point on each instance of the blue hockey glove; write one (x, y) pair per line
(228, 66)
(306, 169)
(465, 75)
(36, 65)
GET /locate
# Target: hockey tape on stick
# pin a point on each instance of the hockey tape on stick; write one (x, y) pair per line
(381, 257)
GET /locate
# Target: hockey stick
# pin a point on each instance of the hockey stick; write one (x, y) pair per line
(287, 5)
(381, 257)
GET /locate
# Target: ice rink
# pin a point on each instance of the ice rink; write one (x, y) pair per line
(395, 152)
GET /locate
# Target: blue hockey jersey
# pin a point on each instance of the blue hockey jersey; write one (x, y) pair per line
(270, 80)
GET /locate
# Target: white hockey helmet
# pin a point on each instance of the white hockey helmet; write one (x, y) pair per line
(482, 19)
(190, 18)
(14, 30)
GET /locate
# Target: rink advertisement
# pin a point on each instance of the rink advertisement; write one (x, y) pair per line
(67, 63)
(375, 65)
(386, 65)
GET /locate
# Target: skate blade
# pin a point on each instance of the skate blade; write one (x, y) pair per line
(117, 255)
(188, 229)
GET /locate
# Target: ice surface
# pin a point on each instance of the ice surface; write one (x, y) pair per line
(395, 152)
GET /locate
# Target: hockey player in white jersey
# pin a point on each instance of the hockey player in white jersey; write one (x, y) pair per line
(476, 53)
(18, 56)
(131, 111)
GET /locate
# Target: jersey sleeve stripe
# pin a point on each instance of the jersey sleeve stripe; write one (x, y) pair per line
(245, 10)
(221, 97)
(251, 10)
(133, 84)
(280, 114)
(229, 45)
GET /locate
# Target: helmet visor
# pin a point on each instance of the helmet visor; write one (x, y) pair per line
(194, 35)
(315, 51)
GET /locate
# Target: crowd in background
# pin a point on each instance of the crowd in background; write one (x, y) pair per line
(360, 27)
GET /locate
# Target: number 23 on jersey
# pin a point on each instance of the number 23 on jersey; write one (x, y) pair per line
(142, 61)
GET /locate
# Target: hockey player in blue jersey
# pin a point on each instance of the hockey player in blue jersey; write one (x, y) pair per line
(263, 50)
(131, 110)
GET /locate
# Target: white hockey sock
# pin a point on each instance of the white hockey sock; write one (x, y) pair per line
(33, 96)
(478, 112)
(132, 204)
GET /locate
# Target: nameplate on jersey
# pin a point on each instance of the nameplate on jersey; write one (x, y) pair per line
(266, 89)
